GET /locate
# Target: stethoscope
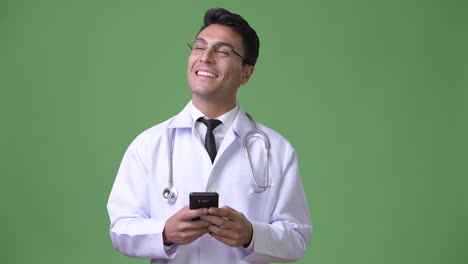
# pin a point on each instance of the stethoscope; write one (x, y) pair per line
(170, 193)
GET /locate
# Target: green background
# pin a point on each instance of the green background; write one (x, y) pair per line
(377, 92)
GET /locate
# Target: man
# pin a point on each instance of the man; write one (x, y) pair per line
(263, 214)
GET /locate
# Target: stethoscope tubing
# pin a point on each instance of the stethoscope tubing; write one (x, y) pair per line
(170, 193)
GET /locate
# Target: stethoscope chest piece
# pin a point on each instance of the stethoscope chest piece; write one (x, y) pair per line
(170, 194)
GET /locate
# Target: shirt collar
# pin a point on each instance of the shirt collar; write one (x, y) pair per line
(226, 118)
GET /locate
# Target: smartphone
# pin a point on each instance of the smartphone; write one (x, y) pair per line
(203, 200)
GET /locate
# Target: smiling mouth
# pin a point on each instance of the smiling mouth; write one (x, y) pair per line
(205, 73)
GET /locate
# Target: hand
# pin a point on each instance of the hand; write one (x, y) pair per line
(229, 226)
(181, 230)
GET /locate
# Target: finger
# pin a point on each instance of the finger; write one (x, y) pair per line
(196, 233)
(195, 213)
(224, 232)
(225, 211)
(230, 237)
(183, 238)
(190, 224)
(216, 220)
(199, 224)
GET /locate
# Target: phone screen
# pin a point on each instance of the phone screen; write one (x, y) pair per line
(203, 200)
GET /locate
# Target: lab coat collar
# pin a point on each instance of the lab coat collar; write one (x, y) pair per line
(183, 119)
(240, 126)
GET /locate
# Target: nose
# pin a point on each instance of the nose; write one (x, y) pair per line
(207, 55)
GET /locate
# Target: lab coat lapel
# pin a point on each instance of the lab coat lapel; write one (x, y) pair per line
(239, 128)
(184, 121)
(241, 124)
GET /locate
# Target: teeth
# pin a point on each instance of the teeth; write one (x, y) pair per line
(208, 74)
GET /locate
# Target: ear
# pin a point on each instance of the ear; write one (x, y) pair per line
(247, 71)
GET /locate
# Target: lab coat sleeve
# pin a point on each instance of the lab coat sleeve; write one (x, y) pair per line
(285, 237)
(133, 232)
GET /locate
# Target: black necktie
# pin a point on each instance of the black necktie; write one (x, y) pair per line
(210, 143)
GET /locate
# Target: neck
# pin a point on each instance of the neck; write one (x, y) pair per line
(213, 109)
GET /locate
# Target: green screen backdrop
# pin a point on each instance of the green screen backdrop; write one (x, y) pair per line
(378, 90)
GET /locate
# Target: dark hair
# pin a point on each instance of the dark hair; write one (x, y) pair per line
(234, 21)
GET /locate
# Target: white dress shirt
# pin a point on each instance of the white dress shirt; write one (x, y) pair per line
(219, 132)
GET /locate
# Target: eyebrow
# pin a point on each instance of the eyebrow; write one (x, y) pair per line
(218, 43)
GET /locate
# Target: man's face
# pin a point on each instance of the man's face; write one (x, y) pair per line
(212, 77)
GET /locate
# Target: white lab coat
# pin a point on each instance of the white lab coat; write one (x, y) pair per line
(280, 215)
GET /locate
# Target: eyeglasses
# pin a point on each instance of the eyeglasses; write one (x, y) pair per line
(220, 49)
